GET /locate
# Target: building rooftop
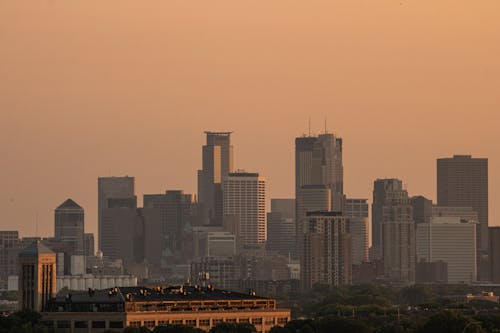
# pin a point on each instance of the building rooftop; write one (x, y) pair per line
(69, 203)
(34, 249)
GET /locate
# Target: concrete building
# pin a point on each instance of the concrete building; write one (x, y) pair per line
(357, 212)
(216, 244)
(431, 272)
(217, 163)
(462, 181)
(37, 277)
(69, 226)
(326, 252)
(89, 244)
(224, 272)
(453, 241)
(111, 188)
(9, 251)
(245, 197)
(281, 227)
(397, 230)
(201, 307)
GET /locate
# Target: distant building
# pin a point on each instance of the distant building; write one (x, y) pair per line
(431, 272)
(224, 272)
(201, 307)
(397, 230)
(89, 244)
(494, 254)
(69, 226)
(326, 256)
(37, 277)
(217, 163)
(357, 212)
(281, 227)
(111, 188)
(245, 197)
(9, 251)
(422, 209)
(451, 240)
(216, 244)
(462, 181)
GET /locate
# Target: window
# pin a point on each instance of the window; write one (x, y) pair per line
(81, 324)
(191, 322)
(149, 323)
(244, 320)
(63, 324)
(162, 322)
(204, 322)
(257, 321)
(99, 324)
(116, 324)
(177, 322)
(282, 321)
(269, 321)
(135, 324)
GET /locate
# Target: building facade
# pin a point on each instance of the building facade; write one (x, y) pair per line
(281, 227)
(326, 251)
(9, 251)
(69, 227)
(357, 212)
(245, 197)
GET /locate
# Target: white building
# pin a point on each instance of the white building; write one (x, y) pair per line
(244, 195)
(452, 240)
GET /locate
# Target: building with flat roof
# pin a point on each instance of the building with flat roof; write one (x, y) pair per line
(357, 212)
(202, 307)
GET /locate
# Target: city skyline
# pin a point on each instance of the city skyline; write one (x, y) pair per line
(130, 88)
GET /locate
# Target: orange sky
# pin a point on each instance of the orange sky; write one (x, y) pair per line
(93, 88)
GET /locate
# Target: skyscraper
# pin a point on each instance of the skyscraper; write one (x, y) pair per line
(217, 163)
(318, 162)
(37, 277)
(281, 227)
(397, 230)
(245, 197)
(357, 212)
(9, 251)
(69, 227)
(494, 253)
(462, 181)
(326, 256)
(112, 188)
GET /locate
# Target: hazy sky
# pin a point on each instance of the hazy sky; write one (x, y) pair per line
(96, 88)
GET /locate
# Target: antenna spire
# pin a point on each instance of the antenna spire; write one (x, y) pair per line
(309, 125)
(325, 126)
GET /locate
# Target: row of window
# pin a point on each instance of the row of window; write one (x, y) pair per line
(206, 322)
(85, 324)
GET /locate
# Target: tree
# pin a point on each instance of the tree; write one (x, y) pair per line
(176, 329)
(451, 322)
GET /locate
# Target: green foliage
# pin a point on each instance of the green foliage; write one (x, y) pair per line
(450, 322)
(176, 329)
(136, 330)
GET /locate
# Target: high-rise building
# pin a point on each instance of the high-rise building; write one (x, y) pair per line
(281, 227)
(37, 277)
(357, 212)
(326, 256)
(318, 161)
(217, 163)
(9, 251)
(392, 215)
(462, 181)
(245, 197)
(69, 227)
(451, 240)
(112, 188)
(422, 209)
(89, 244)
(494, 254)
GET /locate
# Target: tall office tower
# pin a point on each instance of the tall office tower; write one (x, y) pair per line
(451, 240)
(111, 188)
(494, 255)
(9, 250)
(281, 227)
(422, 209)
(326, 256)
(245, 197)
(397, 230)
(357, 212)
(318, 161)
(178, 211)
(89, 244)
(217, 163)
(383, 191)
(69, 227)
(462, 181)
(118, 227)
(37, 277)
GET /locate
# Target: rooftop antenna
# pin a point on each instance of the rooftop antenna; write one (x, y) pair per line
(36, 224)
(325, 125)
(309, 125)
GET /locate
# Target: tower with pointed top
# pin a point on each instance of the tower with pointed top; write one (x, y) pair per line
(37, 277)
(69, 227)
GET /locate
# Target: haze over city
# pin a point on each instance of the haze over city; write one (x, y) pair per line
(95, 88)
